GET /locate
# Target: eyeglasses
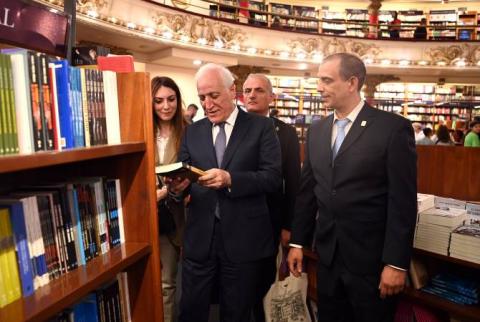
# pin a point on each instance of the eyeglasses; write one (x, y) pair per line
(157, 100)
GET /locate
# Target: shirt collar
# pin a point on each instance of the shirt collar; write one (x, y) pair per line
(231, 118)
(353, 114)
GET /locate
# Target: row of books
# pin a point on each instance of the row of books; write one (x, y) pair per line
(49, 105)
(454, 288)
(107, 304)
(448, 227)
(49, 230)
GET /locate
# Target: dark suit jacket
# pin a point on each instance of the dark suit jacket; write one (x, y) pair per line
(252, 158)
(366, 199)
(282, 202)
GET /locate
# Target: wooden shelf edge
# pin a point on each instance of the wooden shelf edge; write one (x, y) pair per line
(21, 162)
(471, 312)
(73, 286)
(449, 259)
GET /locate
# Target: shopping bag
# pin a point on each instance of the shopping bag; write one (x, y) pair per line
(286, 301)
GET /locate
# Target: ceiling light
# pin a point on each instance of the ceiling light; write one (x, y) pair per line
(197, 62)
(386, 62)
(184, 38)
(149, 30)
(218, 44)
(317, 57)
(202, 41)
(302, 66)
(235, 47)
(284, 54)
(478, 63)
(167, 34)
(368, 61)
(267, 52)
(404, 62)
(131, 25)
(441, 63)
(92, 13)
(252, 50)
(461, 63)
(423, 62)
(301, 55)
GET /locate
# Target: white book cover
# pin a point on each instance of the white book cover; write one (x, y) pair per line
(442, 202)
(111, 107)
(23, 110)
(120, 211)
(425, 201)
(51, 66)
(450, 217)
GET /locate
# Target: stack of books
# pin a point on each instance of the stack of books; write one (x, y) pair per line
(425, 202)
(453, 288)
(473, 213)
(465, 243)
(435, 226)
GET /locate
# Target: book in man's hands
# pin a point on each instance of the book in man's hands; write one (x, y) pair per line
(179, 170)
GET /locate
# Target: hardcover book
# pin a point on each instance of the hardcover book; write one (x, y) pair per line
(179, 170)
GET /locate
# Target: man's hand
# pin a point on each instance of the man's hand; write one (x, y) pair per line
(177, 185)
(215, 179)
(162, 193)
(392, 281)
(285, 237)
(295, 257)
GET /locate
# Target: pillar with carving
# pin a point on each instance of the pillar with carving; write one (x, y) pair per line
(371, 84)
(241, 72)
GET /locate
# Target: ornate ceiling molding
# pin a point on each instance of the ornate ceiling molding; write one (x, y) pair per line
(196, 28)
(328, 46)
(455, 54)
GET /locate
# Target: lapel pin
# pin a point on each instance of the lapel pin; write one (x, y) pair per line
(363, 123)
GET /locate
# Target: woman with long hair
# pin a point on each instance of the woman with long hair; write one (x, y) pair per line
(443, 136)
(169, 125)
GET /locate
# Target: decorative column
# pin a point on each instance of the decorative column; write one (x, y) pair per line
(373, 11)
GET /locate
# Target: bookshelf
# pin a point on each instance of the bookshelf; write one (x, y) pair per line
(442, 24)
(132, 162)
(435, 176)
(466, 25)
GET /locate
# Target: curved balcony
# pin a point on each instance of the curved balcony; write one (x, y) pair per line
(158, 33)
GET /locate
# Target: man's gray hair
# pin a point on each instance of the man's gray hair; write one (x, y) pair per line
(265, 78)
(225, 74)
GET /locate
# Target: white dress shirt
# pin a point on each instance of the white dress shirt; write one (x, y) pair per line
(229, 123)
(351, 117)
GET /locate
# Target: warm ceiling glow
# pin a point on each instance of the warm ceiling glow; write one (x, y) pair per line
(218, 44)
(92, 13)
(284, 54)
(197, 62)
(202, 41)
(252, 50)
(386, 62)
(423, 63)
(131, 25)
(404, 62)
(149, 30)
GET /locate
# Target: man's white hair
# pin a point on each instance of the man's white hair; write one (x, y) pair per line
(225, 74)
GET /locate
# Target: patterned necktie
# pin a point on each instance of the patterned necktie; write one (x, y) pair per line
(341, 124)
(220, 143)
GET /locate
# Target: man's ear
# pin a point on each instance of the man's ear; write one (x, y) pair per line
(353, 84)
(233, 90)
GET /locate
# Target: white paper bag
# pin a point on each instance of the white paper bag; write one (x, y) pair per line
(286, 300)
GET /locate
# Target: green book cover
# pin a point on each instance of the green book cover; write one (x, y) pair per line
(3, 113)
(11, 104)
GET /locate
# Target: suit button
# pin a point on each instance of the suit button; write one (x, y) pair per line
(334, 192)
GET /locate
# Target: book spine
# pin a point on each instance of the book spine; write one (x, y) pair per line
(48, 114)
(23, 256)
(3, 114)
(8, 80)
(35, 102)
(86, 128)
(21, 87)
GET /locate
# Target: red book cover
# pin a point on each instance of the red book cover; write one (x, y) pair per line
(119, 64)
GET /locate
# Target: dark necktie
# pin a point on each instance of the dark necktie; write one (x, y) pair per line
(220, 143)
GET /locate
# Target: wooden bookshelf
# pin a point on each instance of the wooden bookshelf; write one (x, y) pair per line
(465, 312)
(457, 261)
(51, 158)
(69, 288)
(132, 162)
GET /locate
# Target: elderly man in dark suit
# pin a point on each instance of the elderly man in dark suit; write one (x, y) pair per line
(228, 231)
(258, 95)
(359, 176)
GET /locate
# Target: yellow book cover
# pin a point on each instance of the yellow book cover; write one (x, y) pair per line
(12, 257)
(3, 273)
(4, 266)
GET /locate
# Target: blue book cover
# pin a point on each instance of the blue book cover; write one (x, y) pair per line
(17, 219)
(64, 104)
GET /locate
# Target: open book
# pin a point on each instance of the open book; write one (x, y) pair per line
(179, 170)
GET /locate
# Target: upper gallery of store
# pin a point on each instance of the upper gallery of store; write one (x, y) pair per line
(287, 37)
